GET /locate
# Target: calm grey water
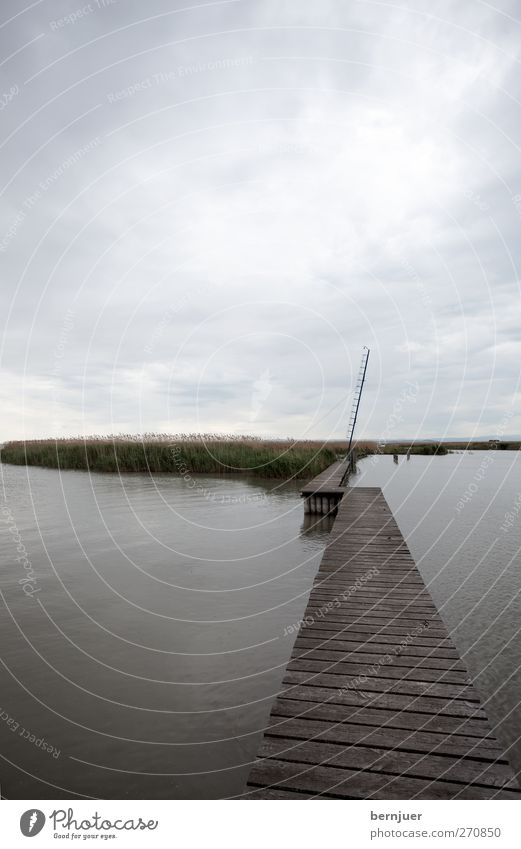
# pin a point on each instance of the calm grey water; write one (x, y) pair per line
(452, 511)
(146, 651)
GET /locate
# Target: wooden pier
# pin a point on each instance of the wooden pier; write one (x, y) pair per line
(375, 701)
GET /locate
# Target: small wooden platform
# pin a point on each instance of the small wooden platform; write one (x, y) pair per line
(375, 702)
(324, 493)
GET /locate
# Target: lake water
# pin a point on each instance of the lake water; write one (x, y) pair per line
(453, 511)
(146, 650)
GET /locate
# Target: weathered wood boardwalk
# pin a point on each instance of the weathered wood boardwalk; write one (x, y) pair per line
(329, 477)
(376, 703)
(324, 493)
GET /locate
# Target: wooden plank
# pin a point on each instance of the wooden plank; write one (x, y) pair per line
(374, 684)
(365, 628)
(360, 784)
(371, 588)
(367, 598)
(364, 657)
(391, 612)
(337, 587)
(382, 594)
(418, 624)
(385, 670)
(360, 631)
(381, 717)
(272, 793)
(391, 761)
(391, 701)
(376, 595)
(351, 599)
(387, 642)
(391, 608)
(395, 624)
(290, 719)
(358, 591)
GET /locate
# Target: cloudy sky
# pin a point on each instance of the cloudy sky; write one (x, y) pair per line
(208, 208)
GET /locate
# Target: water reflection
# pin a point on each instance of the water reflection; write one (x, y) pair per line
(317, 526)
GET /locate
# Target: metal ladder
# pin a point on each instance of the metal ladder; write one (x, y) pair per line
(354, 411)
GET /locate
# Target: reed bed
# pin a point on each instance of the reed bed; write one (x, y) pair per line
(178, 454)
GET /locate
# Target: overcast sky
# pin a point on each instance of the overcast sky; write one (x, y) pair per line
(208, 208)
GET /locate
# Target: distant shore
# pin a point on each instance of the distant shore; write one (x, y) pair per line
(187, 454)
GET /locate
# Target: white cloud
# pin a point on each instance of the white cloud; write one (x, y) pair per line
(350, 183)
